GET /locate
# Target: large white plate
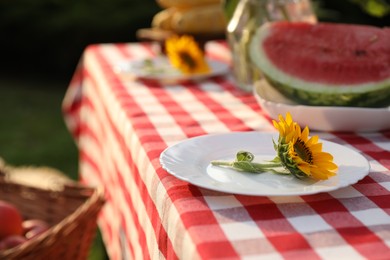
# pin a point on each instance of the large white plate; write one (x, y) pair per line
(162, 71)
(322, 118)
(189, 160)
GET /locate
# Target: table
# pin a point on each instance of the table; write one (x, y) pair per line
(121, 126)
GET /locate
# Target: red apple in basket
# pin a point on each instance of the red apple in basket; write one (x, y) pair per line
(11, 241)
(10, 220)
(34, 227)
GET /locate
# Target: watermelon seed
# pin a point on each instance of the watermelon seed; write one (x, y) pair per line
(360, 53)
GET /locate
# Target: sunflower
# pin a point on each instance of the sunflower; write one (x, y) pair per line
(184, 54)
(300, 155)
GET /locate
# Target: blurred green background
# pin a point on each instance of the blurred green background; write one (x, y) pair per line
(41, 44)
(48, 36)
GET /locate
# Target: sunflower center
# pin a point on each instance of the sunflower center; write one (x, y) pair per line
(188, 59)
(303, 151)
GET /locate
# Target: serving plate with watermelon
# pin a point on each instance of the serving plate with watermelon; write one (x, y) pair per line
(322, 118)
(326, 67)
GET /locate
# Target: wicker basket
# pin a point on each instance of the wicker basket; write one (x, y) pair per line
(71, 213)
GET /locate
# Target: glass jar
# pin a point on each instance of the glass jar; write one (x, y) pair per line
(247, 17)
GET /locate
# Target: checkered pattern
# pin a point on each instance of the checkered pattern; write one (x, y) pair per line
(121, 126)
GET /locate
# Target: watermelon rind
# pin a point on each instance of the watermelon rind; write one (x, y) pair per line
(367, 98)
(372, 94)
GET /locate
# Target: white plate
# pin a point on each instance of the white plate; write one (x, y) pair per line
(322, 118)
(162, 71)
(190, 160)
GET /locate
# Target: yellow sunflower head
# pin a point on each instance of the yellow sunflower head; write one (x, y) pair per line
(184, 54)
(300, 155)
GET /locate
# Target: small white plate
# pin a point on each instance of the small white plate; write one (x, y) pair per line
(190, 160)
(322, 118)
(159, 69)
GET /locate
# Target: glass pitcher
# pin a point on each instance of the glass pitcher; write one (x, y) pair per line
(247, 17)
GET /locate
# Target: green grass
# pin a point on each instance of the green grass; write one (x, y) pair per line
(33, 131)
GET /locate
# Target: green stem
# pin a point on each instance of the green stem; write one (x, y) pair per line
(221, 163)
(243, 163)
(267, 165)
(246, 166)
(256, 165)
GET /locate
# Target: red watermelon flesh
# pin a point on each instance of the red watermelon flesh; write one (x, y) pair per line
(330, 53)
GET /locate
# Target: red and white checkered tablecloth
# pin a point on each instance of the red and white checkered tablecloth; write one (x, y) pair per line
(121, 126)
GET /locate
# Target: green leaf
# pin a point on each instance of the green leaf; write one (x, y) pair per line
(245, 166)
(244, 156)
(229, 6)
(377, 8)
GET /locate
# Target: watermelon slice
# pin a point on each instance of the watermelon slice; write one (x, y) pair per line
(325, 64)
